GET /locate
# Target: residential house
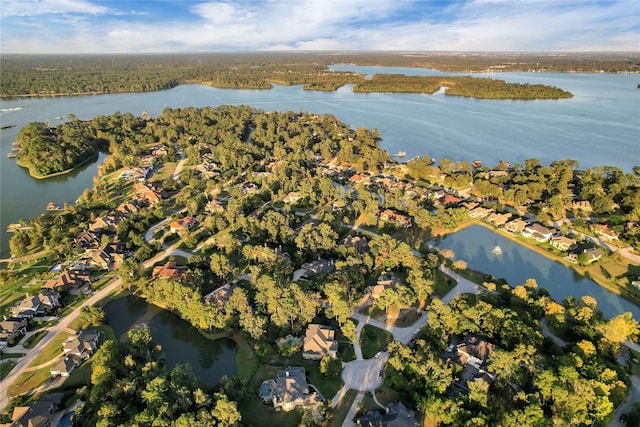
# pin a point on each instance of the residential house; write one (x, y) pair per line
(36, 305)
(515, 226)
(12, 327)
(65, 366)
(136, 173)
(359, 243)
(220, 296)
(106, 223)
(147, 193)
(36, 414)
(291, 389)
(109, 256)
(390, 216)
(360, 178)
(88, 239)
(169, 271)
(127, 209)
(182, 225)
(319, 341)
(480, 212)
(562, 243)
(582, 205)
(472, 354)
(538, 232)
(318, 266)
(498, 219)
(214, 206)
(470, 205)
(249, 187)
(605, 232)
(498, 174)
(292, 197)
(450, 200)
(397, 415)
(82, 345)
(593, 254)
(67, 280)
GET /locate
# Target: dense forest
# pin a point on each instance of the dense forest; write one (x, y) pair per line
(253, 232)
(459, 86)
(46, 75)
(47, 150)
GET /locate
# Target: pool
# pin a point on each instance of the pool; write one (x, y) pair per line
(66, 420)
(265, 390)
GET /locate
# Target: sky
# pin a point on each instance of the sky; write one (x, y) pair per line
(121, 26)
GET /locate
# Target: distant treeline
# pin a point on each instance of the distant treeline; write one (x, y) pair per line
(485, 88)
(48, 75)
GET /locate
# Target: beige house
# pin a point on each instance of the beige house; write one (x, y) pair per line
(562, 243)
(515, 226)
(319, 341)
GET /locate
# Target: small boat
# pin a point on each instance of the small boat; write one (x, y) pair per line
(11, 155)
(497, 250)
(401, 154)
(476, 164)
(53, 207)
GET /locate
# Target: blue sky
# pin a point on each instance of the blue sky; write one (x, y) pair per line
(90, 26)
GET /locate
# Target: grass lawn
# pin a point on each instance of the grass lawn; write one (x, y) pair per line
(79, 377)
(28, 381)
(34, 339)
(346, 353)
(342, 409)
(255, 413)
(407, 318)
(246, 361)
(5, 356)
(6, 367)
(373, 339)
(51, 351)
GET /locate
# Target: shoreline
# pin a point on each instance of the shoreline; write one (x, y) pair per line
(64, 172)
(582, 271)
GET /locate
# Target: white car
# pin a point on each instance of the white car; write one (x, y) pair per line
(378, 354)
(416, 331)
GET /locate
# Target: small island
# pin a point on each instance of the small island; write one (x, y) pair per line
(473, 87)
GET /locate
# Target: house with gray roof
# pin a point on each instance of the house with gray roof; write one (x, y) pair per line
(291, 389)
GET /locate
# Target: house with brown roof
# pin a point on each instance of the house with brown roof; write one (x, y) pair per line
(472, 354)
(109, 256)
(36, 414)
(88, 239)
(605, 232)
(319, 341)
(36, 305)
(127, 209)
(147, 193)
(220, 296)
(359, 243)
(480, 212)
(515, 226)
(106, 223)
(450, 200)
(292, 197)
(291, 390)
(169, 271)
(12, 327)
(538, 232)
(390, 216)
(498, 219)
(562, 243)
(67, 280)
(182, 225)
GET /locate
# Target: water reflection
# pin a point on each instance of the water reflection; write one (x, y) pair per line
(181, 343)
(518, 263)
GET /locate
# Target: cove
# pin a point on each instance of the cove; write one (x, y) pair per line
(182, 344)
(518, 263)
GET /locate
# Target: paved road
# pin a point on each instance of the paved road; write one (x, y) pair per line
(547, 333)
(64, 323)
(624, 408)
(464, 286)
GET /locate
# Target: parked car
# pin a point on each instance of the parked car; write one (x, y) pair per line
(450, 348)
(381, 374)
(623, 418)
(378, 354)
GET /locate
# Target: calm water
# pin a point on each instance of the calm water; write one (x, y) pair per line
(599, 126)
(517, 264)
(182, 344)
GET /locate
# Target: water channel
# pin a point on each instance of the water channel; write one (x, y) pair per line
(518, 263)
(182, 344)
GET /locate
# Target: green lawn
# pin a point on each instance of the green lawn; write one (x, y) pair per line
(373, 339)
(342, 409)
(34, 339)
(28, 381)
(5, 356)
(6, 367)
(443, 283)
(255, 413)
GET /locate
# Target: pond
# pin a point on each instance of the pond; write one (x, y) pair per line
(182, 344)
(518, 263)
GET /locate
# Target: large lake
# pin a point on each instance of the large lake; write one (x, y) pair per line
(517, 263)
(181, 343)
(599, 126)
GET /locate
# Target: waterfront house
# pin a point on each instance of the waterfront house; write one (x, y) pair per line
(291, 389)
(36, 414)
(82, 345)
(220, 296)
(12, 327)
(480, 212)
(498, 219)
(593, 254)
(169, 271)
(538, 232)
(515, 226)
(319, 341)
(562, 243)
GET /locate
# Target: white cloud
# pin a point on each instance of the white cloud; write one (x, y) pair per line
(481, 25)
(42, 7)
